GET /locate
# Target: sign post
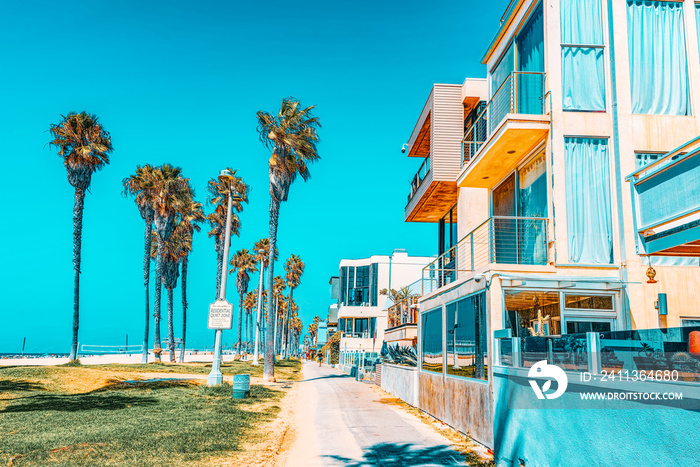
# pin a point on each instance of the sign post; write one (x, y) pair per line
(220, 318)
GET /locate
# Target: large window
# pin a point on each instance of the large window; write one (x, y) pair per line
(588, 212)
(431, 341)
(358, 286)
(657, 57)
(467, 338)
(582, 57)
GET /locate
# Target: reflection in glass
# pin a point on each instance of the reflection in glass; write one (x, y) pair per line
(466, 337)
(532, 313)
(431, 339)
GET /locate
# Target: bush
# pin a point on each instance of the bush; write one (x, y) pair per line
(333, 345)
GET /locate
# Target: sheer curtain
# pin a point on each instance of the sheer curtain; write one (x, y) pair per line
(583, 68)
(658, 63)
(588, 213)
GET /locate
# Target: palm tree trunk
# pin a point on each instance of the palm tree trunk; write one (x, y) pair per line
(146, 280)
(171, 330)
(78, 206)
(240, 320)
(156, 311)
(219, 261)
(184, 307)
(287, 326)
(269, 369)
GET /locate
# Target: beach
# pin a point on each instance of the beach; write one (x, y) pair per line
(107, 359)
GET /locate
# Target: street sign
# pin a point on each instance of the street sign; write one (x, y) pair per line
(220, 315)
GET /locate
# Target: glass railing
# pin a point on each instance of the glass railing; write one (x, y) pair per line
(521, 93)
(499, 239)
(419, 177)
(670, 354)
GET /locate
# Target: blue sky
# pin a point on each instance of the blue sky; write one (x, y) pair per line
(180, 82)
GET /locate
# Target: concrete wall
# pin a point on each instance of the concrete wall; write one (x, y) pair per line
(564, 432)
(401, 381)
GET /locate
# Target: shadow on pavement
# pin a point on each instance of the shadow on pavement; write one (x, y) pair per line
(399, 455)
(325, 377)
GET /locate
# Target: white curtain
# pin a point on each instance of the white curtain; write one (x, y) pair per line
(658, 63)
(588, 212)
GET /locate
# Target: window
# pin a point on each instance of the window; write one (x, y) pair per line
(657, 57)
(590, 302)
(690, 322)
(519, 206)
(431, 340)
(532, 313)
(582, 57)
(588, 212)
(467, 338)
(373, 287)
(361, 325)
(355, 286)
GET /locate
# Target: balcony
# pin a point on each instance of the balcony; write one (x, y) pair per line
(498, 240)
(510, 126)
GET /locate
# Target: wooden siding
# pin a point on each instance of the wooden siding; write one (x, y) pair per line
(431, 201)
(447, 131)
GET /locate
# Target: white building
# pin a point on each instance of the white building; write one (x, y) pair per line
(362, 317)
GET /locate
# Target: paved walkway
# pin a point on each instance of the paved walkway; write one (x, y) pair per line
(340, 421)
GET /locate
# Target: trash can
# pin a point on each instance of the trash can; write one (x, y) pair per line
(241, 386)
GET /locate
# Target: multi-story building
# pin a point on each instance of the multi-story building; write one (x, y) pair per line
(528, 176)
(362, 316)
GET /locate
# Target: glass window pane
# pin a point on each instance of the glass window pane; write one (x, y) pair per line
(583, 78)
(657, 58)
(532, 313)
(589, 302)
(577, 327)
(466, 338)
(431, 339)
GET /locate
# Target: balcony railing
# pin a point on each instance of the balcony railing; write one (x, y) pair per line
(405, 311)
(419, 177)
(521, 93)
(499, 239)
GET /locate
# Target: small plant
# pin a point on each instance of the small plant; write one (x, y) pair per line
(74, 362)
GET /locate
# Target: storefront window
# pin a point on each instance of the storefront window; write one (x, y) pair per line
(431, 340)
(532, 313)
(466, 337)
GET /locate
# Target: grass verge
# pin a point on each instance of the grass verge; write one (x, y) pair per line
(80, 416)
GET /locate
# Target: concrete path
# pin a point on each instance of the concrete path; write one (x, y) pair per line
(340, 421)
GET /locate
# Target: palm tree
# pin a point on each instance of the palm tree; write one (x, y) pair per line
(278, 287)
(217, 196)
(138, 185)
(170, 194)
(190, 218)
(292, 138)
(171, 254)
(297, 327)
(294, 269)
(84, 145)
(244, 263)
(249, 304)
(315, 323)
(262, 252)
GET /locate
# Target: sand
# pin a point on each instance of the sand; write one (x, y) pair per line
(105, 359)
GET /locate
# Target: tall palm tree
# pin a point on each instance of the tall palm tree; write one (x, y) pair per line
(171, 254)
(315, 323)
(261, 245)
(84, 145)
(190, 218)
(278, 287)
(249, 304)
(170, 193)
(243, 263)
(297, 328)
(217, 196)
(138, 185)
(294, 269)
(291, 136)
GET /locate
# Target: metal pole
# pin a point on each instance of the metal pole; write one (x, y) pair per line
(215, 377)
(259, 310)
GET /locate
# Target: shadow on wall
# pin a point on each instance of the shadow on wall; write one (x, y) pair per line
(400, 455)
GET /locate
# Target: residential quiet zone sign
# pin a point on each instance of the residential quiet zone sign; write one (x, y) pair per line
(220, 315)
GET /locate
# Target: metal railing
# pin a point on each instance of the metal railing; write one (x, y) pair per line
(499, 239)
(419, 177)
(521, 93)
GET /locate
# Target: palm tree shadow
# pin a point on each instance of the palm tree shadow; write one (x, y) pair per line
(78, 402)
(400, 455)
(20, 385)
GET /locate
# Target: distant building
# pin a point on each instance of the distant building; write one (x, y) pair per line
(362, 314)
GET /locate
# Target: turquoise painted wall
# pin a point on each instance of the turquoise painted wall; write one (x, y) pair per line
(615, 433)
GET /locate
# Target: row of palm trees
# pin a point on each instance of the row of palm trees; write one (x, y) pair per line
(166, 203)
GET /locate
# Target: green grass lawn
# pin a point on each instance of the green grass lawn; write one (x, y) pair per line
(76, 416)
